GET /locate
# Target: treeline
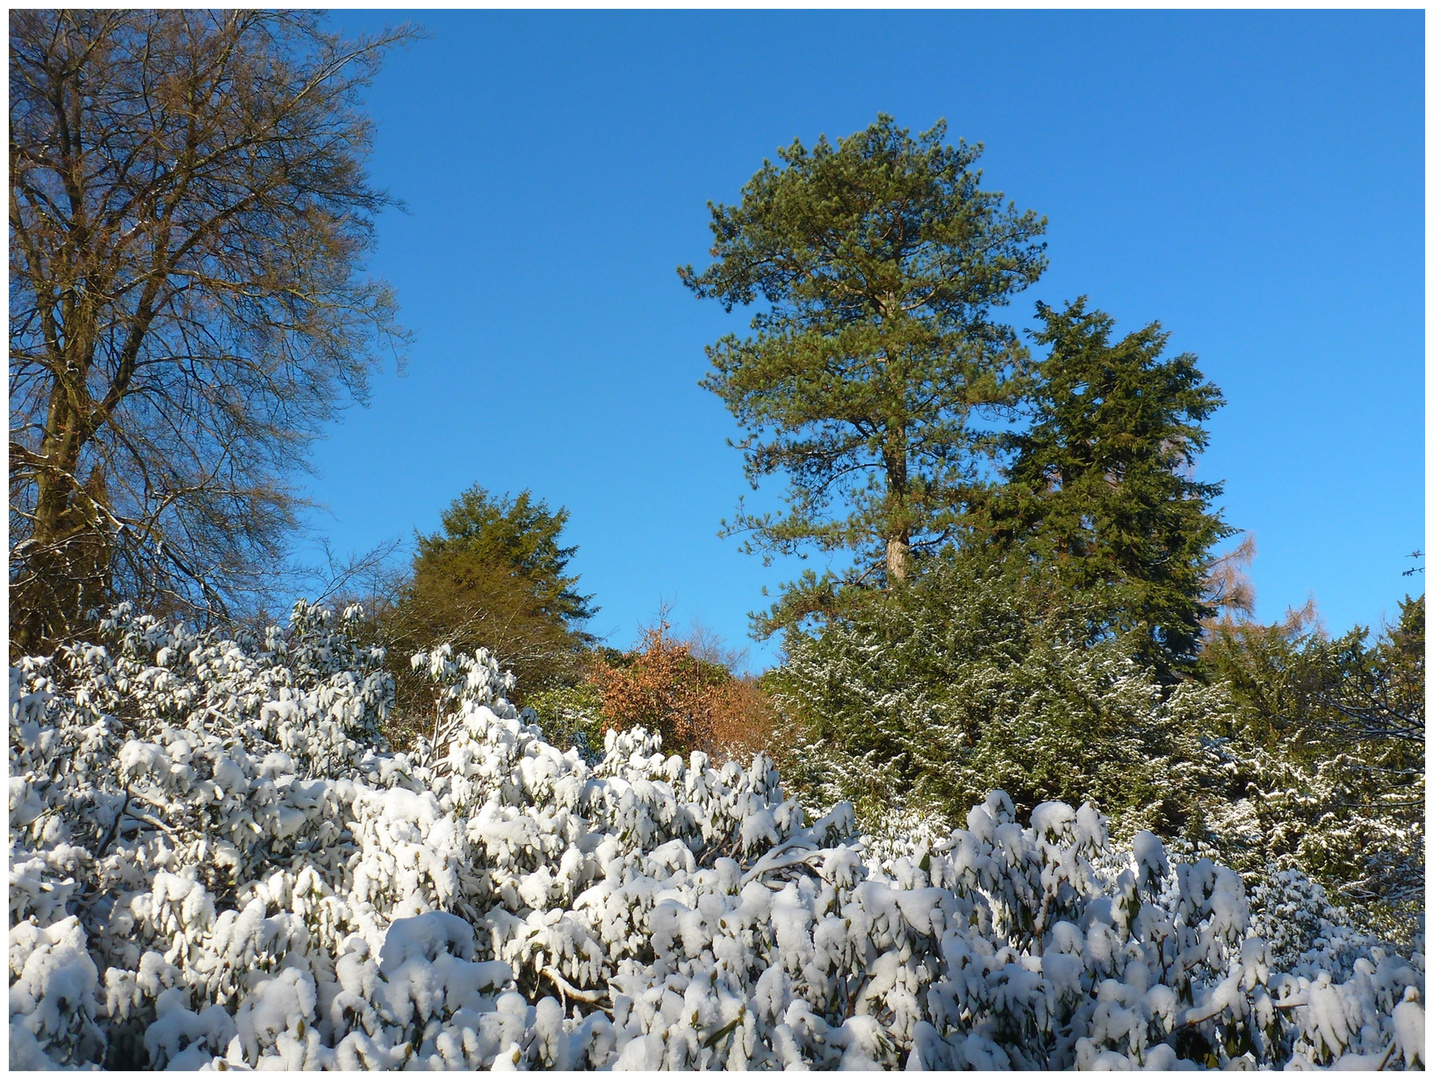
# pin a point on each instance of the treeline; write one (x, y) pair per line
(1021, 587)
(1275, 746)
(1018, 584)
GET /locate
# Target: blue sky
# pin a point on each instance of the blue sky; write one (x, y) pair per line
(1252, 180)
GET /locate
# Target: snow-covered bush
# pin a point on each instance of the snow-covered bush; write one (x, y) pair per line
(571, 716)
(215, 862)
(1286, 814)
(1323, 765)
(929, 696)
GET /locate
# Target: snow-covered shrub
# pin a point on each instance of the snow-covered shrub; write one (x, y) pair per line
(571, 716)
(1323, 765)
(214, 862)
(926, 698)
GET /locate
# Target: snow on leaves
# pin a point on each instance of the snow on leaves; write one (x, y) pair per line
(214, 862)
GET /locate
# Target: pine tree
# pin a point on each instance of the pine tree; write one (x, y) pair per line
(1100, 485)
(879, 261)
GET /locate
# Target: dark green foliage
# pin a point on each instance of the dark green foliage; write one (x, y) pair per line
(497, 578)
(972, 677)
(1327, 750)
(1294, 752)
(1099, 488)
(878, 261)
(1376, 692)
(571, 716)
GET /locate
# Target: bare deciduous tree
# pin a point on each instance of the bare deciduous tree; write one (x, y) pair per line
(189, 214)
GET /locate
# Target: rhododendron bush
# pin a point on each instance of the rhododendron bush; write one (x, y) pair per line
(215, 862)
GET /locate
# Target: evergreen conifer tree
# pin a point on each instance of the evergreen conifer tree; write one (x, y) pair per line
(496, 577)
(973, 674)
(1100, 488)
(521, 535)
(879, 260)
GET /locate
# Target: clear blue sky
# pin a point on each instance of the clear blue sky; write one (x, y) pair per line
(1253, 180)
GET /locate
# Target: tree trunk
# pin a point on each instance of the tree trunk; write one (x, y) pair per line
(65, 563)
(897, 548)
(898, 528)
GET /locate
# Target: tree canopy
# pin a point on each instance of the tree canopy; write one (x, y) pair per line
(975, 672)
(878, 263)
(1100, 485)
(496, 577)
(189, 215)
(1329, 747)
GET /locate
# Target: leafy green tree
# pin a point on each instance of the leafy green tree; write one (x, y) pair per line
(878, 261)
(496, 577)
(1100, 488)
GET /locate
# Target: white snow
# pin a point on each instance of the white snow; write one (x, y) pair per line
(247, 878)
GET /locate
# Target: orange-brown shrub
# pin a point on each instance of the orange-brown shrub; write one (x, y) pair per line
(695, 703)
